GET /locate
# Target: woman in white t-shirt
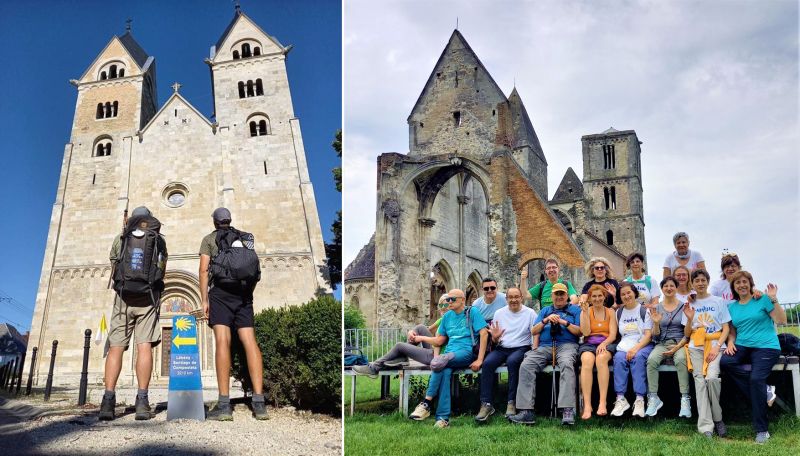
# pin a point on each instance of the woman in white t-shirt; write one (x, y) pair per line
(729, 265)
(682, 256)
(682, 274)
(647, 286)
(634, 326)
(706, 323)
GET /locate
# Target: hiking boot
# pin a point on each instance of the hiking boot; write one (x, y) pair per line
(762, 437)
(720, 429)
(620, 406)
(107, 409)
(143, 410)
(397, 362)
(686, 407)
(771, 396)
(421, 412)
(653, 405)
(523, 417)
(441, 423)
(366, 370)
(260, 411)
(638, 407)
(484, 413)
(510, 409)
(222, 412)
(568, 416)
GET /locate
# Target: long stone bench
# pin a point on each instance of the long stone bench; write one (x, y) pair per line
(792, 365)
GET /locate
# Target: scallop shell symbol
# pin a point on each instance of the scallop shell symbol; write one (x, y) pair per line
(183, 324)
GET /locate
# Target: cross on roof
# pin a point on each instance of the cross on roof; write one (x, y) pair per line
(236, 5)
(176, 86)
(128, 24)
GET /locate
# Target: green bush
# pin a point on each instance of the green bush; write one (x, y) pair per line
(353, 318)
(301, 349)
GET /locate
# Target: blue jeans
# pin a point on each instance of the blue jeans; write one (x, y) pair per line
(637, 368)
(752, 382)
(439, 383)
(513, 358)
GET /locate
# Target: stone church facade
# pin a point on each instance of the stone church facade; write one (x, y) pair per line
(125, 152)
(470, 200)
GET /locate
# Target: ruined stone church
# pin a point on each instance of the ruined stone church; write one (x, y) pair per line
(470, 200)
(124, 151)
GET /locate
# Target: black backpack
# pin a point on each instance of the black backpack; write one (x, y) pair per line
(790, 344)
(139, 270)
(235, 266)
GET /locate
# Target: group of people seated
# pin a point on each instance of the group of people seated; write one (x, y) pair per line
(635, 324)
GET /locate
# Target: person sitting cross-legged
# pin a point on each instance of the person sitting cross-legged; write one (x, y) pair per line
(558, 328)
(461, 329)
(415, 348)
(511, 334)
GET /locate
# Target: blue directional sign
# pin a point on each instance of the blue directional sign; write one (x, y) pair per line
(185, 387)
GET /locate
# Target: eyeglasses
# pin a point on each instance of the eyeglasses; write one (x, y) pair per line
(599, 268)
(451, 299)
(489, 288)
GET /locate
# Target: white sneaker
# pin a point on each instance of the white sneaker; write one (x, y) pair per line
(638, 407)
(686, 407)
(421, 412)
(620, 406)
(771, 396)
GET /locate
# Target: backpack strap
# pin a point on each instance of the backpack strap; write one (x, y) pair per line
(541, 290)
(648, 281)
(469, 324)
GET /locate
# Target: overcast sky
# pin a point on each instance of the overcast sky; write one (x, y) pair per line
(710, 87)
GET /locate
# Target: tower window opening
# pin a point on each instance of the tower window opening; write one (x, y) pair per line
(176, 113)
(613, 198)
(610, 237)
(121, 72)
(457, 118)
(112, 72)
(253, 128)
(108, 109)
(241, 89)
(235, 55)
(265, 167)
(99, 114)
(250, 92)
(246, 50)
(259, 87)
(256, 50)
(606, 198)
(103, 76)
(114, 108)
(262, 128)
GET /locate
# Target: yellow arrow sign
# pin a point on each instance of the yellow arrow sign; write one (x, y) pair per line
(178, 341)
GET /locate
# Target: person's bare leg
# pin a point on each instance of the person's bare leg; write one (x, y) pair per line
(602, 381)
(255, 363)
(222, 358)
(587, 375)
(113, 367)
(144, 364)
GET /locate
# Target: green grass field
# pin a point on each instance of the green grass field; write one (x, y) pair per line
(378, 429)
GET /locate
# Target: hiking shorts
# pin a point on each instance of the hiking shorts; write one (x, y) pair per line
(230, 308)
(139, 322)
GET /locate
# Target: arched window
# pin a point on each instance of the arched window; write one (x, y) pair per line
(100, 150)
(108, 149)
(246, 50)
(102, 147)
(99, 114)
(121, 72)
(256, 50)
(112, 72)
(108, 109)
(250, 89)
(241, 89)
(613, 197)
(259, 87)
(262, 127)
(253, 128)
(103, 76)
(610, 237)
(114, 108)
(259, 125)
(235, 55)
(606, 198)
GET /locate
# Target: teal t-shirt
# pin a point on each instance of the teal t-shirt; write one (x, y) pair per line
(454, 326)
(754, 327)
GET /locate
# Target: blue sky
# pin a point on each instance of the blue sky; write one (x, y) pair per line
(47, 43)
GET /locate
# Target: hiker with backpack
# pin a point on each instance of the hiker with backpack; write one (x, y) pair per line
(543, 290)
(753, 340)
(138, 258)
(229, 272)
(635, 330)
(647, 286)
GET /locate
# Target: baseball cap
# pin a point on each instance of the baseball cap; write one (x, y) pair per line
(559, 287)
(221, 214)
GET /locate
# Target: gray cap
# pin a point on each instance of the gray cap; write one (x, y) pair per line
(141, 211)
(221, 214)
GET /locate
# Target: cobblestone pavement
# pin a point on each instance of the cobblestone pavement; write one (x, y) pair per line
(28, 426)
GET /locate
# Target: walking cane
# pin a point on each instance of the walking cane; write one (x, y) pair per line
(555, 329)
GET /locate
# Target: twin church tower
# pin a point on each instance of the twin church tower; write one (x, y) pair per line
(124, 151)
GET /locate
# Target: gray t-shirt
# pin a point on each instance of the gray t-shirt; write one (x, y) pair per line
(670, 326)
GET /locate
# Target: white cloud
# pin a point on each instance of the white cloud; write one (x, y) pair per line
(710, 87)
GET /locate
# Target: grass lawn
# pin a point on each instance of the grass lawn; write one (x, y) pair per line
(377, 429)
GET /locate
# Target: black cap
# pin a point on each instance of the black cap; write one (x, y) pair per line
(221, 214)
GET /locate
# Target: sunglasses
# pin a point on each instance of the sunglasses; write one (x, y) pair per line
(489, 288)
(450, 299)
(599, 268)
(443, 304)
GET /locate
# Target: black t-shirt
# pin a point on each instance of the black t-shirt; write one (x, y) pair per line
(609, 299)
